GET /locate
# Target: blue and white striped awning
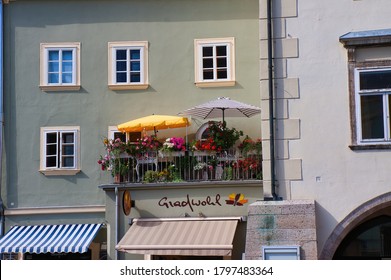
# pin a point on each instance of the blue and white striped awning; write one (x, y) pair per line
(71, 238)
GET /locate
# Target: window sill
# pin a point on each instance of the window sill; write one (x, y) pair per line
(215, 84)
(60, 88)
(60, 172)
(370, 147)
(126, 87)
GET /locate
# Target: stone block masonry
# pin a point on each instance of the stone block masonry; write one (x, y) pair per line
(281, 223)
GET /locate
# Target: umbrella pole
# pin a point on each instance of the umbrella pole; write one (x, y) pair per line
(223, 118)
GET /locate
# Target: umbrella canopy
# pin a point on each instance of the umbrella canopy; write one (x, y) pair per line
(153, 122)
(222, 107)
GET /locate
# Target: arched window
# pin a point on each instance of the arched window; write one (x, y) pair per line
(370, 240)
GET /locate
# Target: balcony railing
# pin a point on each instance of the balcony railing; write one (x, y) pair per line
(189, 166)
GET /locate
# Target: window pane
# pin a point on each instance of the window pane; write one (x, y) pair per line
(207, 63)
(134, 54)
(51, 162)
(221, 51)
(372, 117)
(67, 66)
(121, 54)
(208, 75)
(121, 65)
(135, 77)
(67, 55)
(53, 55)
(53, 78)
(68, 150)
(51, 150)
(207, 51)
(67, 162)
(222, 62)
(375, 80)
(67, 78)
(135, 66)
(120, 135)
(51, 138)
(53, 66)
(68, 137)
(222, 74)
(121, 77)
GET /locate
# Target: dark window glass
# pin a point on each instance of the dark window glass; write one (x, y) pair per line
(221, 51)
(67, 137)
(121, 77)
(207, 51)
(121, 54)
(51, 162)
(222, 74)
(67, 162)
(53, 78)
(54, 55)
(68, 150)
(67, 55)
(134, 54)
(135, 77)
(207, 63)
(208, 75)
(375, 80)
(51, 137)
(51, 150)
(135, 66)
(120, 135)
(222, 62)
(372, 117)
(121, 65)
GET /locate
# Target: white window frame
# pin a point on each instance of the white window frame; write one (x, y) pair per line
(284, 252)
(59, 170)
(198, 58)
(139, 45)
(44, 51)
(385, 93)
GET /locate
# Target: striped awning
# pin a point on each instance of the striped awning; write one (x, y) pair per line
(70, 238)
(187, 236)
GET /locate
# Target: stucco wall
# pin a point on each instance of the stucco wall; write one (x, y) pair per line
(337, 178)
(170, 27)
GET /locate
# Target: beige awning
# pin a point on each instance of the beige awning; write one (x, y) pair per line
(184, 236)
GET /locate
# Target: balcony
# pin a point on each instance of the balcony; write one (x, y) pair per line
(221, 156)
(187, 166)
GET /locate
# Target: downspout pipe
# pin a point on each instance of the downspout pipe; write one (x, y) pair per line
(2, 219)
(271, 99)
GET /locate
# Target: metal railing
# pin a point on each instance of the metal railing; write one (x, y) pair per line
(189, 166)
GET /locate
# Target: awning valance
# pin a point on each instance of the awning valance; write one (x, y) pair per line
(70, 238)
(185, 236)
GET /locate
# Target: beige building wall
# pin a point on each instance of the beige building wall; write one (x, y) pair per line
(311, 87)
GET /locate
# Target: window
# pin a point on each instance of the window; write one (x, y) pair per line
(125, 137)
(60, 66)
(369, 66)
(128, 65)
(60, 150)
(215, 62)
(373, 89)
(281, 252)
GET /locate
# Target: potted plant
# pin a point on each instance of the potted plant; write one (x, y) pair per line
(112, 161)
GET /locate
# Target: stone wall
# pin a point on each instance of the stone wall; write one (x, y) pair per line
(281, 223)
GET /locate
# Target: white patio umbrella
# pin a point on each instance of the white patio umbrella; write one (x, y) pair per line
(220, 108)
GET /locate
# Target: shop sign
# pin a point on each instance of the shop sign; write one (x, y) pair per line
(211, 201)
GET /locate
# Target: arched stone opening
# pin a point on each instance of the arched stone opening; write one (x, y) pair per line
(372, 209)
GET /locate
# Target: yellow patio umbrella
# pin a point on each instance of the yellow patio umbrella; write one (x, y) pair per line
(154, 122)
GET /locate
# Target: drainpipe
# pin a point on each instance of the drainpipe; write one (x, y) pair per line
(2, 220)
(271, 98)
(116, 222)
